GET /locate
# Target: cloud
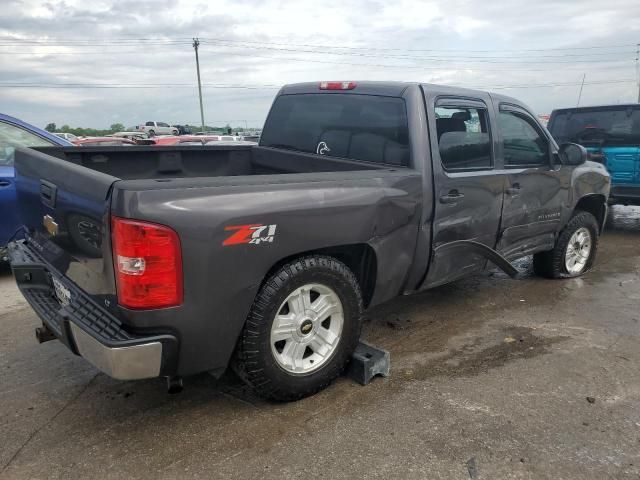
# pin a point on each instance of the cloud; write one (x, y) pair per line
(272, 42)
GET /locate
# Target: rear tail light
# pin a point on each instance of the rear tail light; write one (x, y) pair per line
(337, 85)
(148, 264)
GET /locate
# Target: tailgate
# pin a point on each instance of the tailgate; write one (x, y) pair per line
(65, 209)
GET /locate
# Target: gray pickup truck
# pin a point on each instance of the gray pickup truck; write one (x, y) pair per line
(165, 262)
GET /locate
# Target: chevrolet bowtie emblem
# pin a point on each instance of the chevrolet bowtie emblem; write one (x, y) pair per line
(50, 224)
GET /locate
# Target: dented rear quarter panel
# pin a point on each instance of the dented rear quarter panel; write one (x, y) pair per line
(379, 208)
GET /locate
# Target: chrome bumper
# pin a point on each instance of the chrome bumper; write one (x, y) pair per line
(86, 328)
(122, 363)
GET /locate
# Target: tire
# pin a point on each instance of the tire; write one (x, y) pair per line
(261, 361)
(152, 133)
(175, 133)
(554, 263)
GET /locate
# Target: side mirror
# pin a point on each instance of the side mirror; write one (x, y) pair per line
(572, 154)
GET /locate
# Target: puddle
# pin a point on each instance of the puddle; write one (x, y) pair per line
(482, 354)
(623, 219)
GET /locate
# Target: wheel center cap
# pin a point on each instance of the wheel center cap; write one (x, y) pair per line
(306, 326)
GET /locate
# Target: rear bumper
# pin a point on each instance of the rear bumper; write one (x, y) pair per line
(133, 362)
(87, 329)
(625, 195)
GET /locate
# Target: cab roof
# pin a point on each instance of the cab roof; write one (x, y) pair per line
(395, 89)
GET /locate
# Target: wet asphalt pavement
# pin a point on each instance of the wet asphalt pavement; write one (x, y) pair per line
(491, 378)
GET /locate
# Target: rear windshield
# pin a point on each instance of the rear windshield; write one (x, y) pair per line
(611, 126)
(360, 127)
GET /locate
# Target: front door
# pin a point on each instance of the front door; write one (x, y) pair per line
(468, 188)
(536, 188)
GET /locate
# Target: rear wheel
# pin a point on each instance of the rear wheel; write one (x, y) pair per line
(152, 133)
(302, 329)
(574, 252)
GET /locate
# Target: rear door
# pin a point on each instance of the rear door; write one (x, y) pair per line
(11, 137)
(163, 128)
(536, 188)
(468, 186)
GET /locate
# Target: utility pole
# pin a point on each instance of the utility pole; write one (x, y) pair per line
(581, 87)
(196, 44)
(638, 68)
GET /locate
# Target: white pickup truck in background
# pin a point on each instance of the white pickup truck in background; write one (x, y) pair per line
(157, 128)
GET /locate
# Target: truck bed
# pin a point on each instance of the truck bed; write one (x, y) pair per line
(147, 162)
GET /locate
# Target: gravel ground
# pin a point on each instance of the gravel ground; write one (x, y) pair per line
(491, 378)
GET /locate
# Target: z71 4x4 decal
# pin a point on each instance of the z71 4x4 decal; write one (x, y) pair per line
(254, 233)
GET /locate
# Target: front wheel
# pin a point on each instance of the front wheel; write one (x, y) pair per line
(302, 329)
(574, 252)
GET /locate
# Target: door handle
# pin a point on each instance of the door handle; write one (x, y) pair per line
(48, 193)
(4, 183)
(514, 189)
(452, 197)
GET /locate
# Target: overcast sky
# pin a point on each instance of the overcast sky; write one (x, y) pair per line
(54, 53)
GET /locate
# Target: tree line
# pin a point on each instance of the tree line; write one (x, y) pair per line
(119, 127)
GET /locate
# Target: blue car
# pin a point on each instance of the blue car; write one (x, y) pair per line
(611, 134)
(16, 133)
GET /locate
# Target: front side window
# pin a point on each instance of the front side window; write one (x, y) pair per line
(463, 138)
(162, 124)
(523, 144)
(361, 127)
(12, 137)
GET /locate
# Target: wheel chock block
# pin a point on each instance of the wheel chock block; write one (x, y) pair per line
(368, 361)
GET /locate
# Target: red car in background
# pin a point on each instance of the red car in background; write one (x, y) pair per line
(103, 142)
(181, 140)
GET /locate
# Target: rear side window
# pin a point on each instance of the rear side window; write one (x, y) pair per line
(594, 127)
(149, 124)
(360, 127)
(463, 138)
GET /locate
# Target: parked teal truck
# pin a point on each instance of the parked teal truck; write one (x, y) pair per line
(611, 134)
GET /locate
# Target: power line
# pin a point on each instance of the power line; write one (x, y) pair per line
(185, 40)
(271, 86)
(429, 57)
(126, 86)
(437, 58)
(451, 66)
(103, 54)
(381, 65)
(423, 50)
